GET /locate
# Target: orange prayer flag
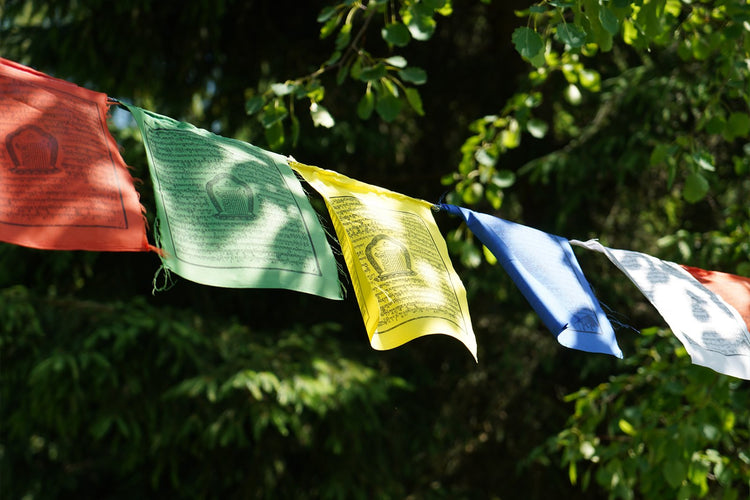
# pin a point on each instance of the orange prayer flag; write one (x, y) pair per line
(63, 183)
(735, 290)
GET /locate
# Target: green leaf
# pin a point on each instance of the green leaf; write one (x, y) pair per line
(421, 26)
(254, 104)
(510, 137)
(414, 75)
(320, 116)
(332, 60)
(373, 73)
(590, 79)
(626, 427)
(273, 113)
(366, 105)
(537, 128)
(415, 100)
(704, 161)
(488, 255)
(504, 179)
(295, 129)
(738, 125)
(275, 135)
(571, 35)
(396, 34)
(484, 157)
(342, 39)
(388, 107)
(562, 4)
(696, 188)
(433, 4)
(528, 43)
(609, 20)
(329, 27)
(674, 472)
(326, 13)
(282, 89)
(587, 449)
(572, 94)
(716, 125)
(396, 61)
(341, 74)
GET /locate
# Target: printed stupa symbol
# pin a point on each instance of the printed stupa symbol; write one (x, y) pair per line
(32, 150)
(389, 257)
(232, 198)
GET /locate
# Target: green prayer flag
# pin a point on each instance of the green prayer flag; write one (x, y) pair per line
(231, 214)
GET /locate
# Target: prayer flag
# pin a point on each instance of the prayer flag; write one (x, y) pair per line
(711, 330)
(63, 183)
(735, 290)
(402, 276)
(546, 270)
(231, 214)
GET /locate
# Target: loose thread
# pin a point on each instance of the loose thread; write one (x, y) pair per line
(612, 317)
(168, 281)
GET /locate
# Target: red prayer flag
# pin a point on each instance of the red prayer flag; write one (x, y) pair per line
(63, 183)
(735, 290)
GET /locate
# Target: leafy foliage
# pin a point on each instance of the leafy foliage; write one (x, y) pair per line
(123, 393)
(684, 441)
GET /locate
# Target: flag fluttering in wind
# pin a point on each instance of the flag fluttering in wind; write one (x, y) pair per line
(711, 330)
(231, 214)
(63, 183)
(404, 281)
(735, 290)
(545, 269)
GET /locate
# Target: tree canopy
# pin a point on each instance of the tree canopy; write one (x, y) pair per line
(623, 120)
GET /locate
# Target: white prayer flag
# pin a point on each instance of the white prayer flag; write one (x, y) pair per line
(713, 332)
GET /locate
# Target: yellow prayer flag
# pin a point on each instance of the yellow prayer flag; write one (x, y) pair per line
(402, 276)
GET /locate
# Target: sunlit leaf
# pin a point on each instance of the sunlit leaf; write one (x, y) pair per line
(273, 113)
(326, 13)
(571, 35)
(414, 75)
(396, 34)
(504, 179)
(275, 135)
(282, 89)
(609, 20)
(421, 27)
(537, 128)
(528, 43)
(397, 61)
(626, 427)
(254, 104)
(415, 100)
(366, 105)
(320, 116)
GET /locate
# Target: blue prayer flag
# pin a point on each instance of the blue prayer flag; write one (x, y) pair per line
(546, 270)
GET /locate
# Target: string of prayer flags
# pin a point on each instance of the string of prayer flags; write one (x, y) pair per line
(402, 276)
(735, 290)
(231, 214)
(63, 183)
(545, 269)
(712, 331)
